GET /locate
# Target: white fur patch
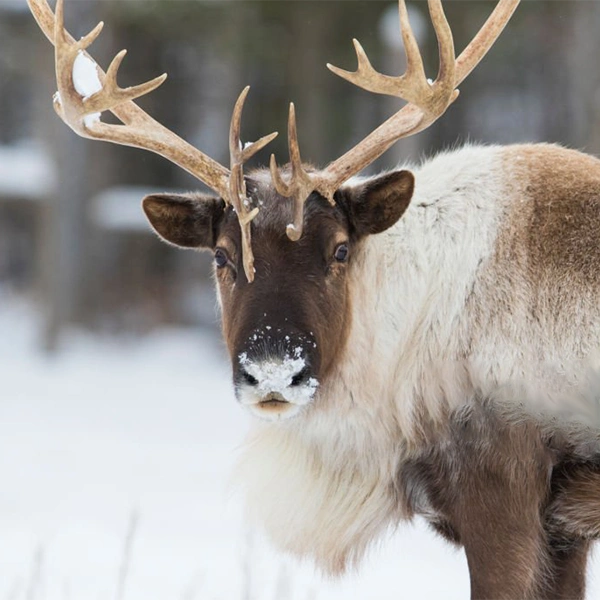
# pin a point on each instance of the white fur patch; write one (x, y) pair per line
(308, 507)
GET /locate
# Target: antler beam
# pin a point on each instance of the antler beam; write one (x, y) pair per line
(85, 91)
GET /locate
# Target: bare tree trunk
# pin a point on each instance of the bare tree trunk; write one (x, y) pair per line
(307, 73)
(582, 63)
(60, 261)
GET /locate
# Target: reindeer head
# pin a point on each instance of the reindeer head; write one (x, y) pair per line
(285, 242)
(285, 330)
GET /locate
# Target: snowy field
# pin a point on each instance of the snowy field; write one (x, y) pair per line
(114, 463)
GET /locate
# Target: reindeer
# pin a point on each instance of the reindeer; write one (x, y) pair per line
(420, 342)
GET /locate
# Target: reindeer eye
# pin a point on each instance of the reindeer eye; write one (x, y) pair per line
(221, 259)
(341, 253)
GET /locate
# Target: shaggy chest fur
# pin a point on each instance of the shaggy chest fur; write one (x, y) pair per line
(487, 288)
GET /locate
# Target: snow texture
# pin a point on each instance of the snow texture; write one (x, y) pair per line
(85, 76)
(86, 83)
(26, 172)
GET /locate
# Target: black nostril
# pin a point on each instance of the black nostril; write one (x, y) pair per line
(249, 379)
(300, 377)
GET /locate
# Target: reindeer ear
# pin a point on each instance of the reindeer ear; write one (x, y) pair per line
(375, 205)
(188, 221)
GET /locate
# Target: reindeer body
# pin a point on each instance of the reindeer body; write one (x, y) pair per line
(474, 320)
(427, 348)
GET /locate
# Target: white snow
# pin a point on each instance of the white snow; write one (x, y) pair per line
(85, 76)
(111, 426)
(26, 172)
(86, 83)
(118, 207)
(91, 119)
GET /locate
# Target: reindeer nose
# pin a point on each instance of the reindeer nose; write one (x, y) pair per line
(275, 387)
(278, 376)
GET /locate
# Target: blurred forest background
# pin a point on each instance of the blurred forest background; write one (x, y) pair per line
(72, 234)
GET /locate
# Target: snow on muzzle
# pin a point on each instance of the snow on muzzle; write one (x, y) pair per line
(275, 388)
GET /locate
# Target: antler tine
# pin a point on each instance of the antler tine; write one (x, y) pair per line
(60, 35)
(280, 185)
(112, 95)
(414, 61)
(247, 151)
(484, 39)
(293, 145)
(87, 40)
(447, 56)
(412, 86)
(301, 183)
(239, 154)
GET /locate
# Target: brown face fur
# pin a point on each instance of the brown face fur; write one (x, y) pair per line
(299, 297)
(285, 330)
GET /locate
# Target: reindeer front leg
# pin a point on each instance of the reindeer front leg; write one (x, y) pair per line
(488, 482)
(568, 562)
(572, 522)
(502, 563)
(501, 529)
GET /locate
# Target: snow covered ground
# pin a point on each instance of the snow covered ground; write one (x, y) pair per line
(112, 436)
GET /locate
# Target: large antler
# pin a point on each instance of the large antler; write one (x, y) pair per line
(85, 91)
(427, 101)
